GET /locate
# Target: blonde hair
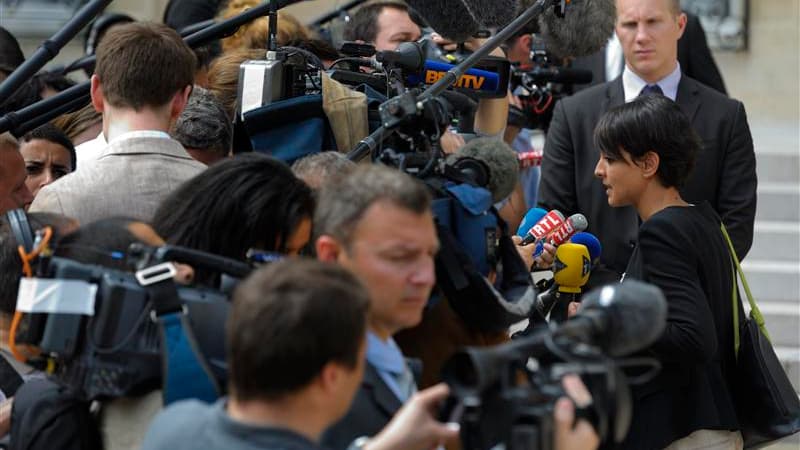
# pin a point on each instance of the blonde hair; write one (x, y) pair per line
(254, 34)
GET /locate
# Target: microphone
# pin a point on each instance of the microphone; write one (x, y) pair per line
(461, 19)
(584, 28)
(592, 244)
(571, 267)
(410, 58)
(544, 227)
(573, 224)
(533, 216)
(473, 79)
(619, 318)
(498, 160)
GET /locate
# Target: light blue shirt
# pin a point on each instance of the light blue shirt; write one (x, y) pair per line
(388, 361)
(632, 84)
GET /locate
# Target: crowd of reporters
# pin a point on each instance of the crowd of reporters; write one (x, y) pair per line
(316, 350)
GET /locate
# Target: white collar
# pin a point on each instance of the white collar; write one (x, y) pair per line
(141, 134)
(632, 84)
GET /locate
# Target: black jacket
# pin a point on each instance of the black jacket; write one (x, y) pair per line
(373, 407)
(724, 173)
(682, 251)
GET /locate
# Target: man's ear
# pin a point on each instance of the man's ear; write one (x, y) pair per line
(330, 377)
(98, 100)
(649, 164)
(328, 248)
(179, 102)
(682, 21)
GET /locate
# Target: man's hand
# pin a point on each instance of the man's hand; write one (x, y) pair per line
(451, 142)
(543, 261)
(571, 435)
(415, 427)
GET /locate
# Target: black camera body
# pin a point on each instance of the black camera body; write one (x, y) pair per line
(117, 351)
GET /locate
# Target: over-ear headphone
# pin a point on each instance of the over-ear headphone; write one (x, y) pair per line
(21, 227)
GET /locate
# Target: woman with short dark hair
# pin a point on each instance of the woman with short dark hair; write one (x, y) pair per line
(647, 150)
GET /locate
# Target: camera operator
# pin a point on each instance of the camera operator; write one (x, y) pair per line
(386, 24)
(518, 51)
(280, 400)
(250, 201)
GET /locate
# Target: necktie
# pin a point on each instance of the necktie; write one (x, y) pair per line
(406, 383)
(651, 89)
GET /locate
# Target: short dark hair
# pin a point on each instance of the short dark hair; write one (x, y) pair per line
(204, 124)
(10, 261)
(651, 123)
(245, 201)
(143, 64)
(51, 133)
(343, 201)
(363, 25)
(288, 321)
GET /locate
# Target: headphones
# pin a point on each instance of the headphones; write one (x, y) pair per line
(21, 227)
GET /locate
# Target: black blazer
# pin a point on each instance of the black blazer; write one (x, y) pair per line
(682, 251)
(724, 173)
(372, 408)
(693, 54)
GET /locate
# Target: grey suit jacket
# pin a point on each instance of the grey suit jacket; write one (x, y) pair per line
(724, 173)
(130, 178)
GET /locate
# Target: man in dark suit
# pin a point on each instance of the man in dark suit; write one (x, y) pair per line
(377, 222)
(694, 57)
(725, 171)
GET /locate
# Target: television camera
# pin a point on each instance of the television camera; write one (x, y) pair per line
(107, 333)
(506, 394)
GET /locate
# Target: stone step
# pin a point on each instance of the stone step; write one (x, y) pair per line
(782, 320)
(778, 167)
(778, 202)
(773, 281)
(790, 359)
(775, 241)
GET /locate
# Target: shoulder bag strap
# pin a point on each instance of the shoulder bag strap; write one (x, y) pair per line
(755, 313)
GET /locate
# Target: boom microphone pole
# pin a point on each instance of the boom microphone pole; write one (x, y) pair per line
(50, 48)
(50, 108)
(87, 61)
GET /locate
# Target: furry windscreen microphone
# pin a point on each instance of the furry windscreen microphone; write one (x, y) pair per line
(493, 13)
(585, 28)
(459, 20)
(450, 18)
(500, 160)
